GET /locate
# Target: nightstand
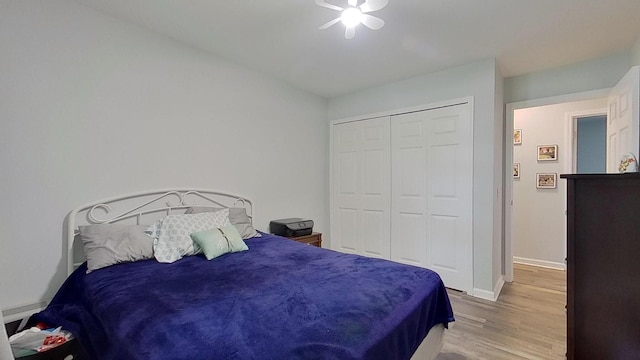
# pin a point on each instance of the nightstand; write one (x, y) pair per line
(71, 350)
(314, 239)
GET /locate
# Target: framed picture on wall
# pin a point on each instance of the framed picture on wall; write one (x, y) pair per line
(547, 152)
(517, 137)
(516, 170)
(546, 181)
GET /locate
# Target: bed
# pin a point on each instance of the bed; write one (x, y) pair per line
(280, 299)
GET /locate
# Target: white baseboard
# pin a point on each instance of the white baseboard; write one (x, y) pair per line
(20, 312)
(483, 294)
(498, 288)
(540, 263)
(490, 295)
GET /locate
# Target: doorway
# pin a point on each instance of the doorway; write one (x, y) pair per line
(590, 145)
(543, 150)
(530, 167)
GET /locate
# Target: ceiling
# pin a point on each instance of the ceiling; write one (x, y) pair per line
(281, 37)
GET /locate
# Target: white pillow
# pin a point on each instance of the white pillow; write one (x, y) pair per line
(237, 216)
(109, 244)
(172, 234)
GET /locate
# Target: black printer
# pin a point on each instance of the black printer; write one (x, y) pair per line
(291, 227)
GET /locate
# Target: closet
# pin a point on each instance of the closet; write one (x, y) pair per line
(401, 189)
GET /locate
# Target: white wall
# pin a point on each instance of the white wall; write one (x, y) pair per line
(539, 230)
(595, 74)
(635, 53)
(91, 107)
(477, 80)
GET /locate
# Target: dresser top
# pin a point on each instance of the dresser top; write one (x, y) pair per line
(635, 175)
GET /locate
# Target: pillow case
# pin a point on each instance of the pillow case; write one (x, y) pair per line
(172, 233)
(219, 241)
(109, 244)
(237, 216)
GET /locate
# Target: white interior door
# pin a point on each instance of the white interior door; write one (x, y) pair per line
(360, 187)
(622, 119)
(432, 185)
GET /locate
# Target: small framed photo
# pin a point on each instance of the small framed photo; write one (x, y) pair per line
(516, 170)
(546, 181)
(517, 137)
(547, 152)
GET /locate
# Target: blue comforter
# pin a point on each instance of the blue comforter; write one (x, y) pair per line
(279, 300)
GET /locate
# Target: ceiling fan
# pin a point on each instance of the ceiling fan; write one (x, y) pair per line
(356, 14)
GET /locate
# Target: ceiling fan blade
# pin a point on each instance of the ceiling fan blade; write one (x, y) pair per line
(322, 27)
(353, 3)
(372, 22)
(350, 32)
(323, 3)
(373, 5)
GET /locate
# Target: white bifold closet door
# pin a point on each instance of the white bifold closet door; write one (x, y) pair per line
(432, 185)
(360, 194)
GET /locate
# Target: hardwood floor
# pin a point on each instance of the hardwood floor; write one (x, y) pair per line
(527, 322)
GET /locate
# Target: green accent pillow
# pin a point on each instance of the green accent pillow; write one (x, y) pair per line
(219, 241)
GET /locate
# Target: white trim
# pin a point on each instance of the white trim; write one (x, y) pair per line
(498, 288)
(5, 347)
(451, 102)
(540, 263)
(571, 118)
(507, 193)
(571, 147)
(508, 158)
(570, 131)
(20, 312)
(483, 294)
(585, 95)
(490, 295)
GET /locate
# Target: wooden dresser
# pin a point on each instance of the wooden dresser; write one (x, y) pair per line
(603, 266)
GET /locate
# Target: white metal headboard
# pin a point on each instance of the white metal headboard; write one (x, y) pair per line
(142, 208)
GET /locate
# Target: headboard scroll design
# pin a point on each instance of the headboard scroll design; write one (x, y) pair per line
(143, 208)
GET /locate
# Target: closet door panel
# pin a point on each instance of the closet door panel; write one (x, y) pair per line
(345, 199)
(408, 245)
(375, 188)
(360, 190)
(375, 234)
(449, 195)
(408, 204)
(443, 251)
(346, 233)
(431, 199)
(348, 171)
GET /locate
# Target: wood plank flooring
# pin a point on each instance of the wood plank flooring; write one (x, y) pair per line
(527, 322)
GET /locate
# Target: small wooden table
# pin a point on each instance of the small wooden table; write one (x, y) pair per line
(314, 239)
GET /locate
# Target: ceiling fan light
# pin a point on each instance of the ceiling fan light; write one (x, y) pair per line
(351, 17)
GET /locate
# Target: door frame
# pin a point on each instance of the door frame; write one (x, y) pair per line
(571, 146)
(508, 161)
(571, 131)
